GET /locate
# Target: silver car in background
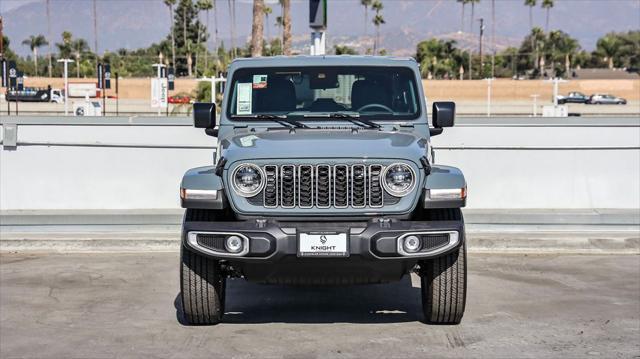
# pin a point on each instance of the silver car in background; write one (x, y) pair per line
(604, 99)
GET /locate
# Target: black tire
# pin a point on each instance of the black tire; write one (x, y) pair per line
(444, 282)
(202, 289)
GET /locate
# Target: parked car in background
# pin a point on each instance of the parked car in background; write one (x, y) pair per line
(179, 99)
(604, 99)
(573, 97)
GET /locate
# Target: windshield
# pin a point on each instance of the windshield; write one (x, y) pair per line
(309, 92)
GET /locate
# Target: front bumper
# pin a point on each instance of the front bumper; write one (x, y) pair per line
(375, 240)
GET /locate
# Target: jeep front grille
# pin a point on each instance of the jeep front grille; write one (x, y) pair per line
(323, 186)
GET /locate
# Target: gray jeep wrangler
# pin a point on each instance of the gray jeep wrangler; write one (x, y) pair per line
(324, 174)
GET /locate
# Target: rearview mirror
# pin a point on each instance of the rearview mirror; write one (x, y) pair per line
(444, 114)
(204, 115)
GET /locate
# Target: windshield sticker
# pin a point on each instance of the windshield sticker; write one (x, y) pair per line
(243, 102)
(259, 81)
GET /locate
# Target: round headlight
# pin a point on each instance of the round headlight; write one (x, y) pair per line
(399, 179)
(247, 180)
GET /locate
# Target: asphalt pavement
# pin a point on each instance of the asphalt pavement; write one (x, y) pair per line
(125, 305)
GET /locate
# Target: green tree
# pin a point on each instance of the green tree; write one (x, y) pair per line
(64, 48)
(193, 32)
(171, 4)
(464, 4)
(206, 6)
(267, 10)
(608, 47)
(286, 32)
(560, 48)
(344, 50)
(366, 4)
(473, 10)
(377, 21)
(440, 58)
(34, 42)
(80, 49)
(531, 4)
(257, 27)
(547, 5)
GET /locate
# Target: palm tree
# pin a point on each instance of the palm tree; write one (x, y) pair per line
(366, 4)
(49, 35)
(79, 46)
(608, 47)
(206, 5)
(232, 25)
(34, 42)
(215, 24)
(170, 4)
(257, 26)
(267, 11)
(279, 25)
(95, 28)
(188, 48)
(473, 9)
(463, 3)
(538, 37)
(531, 4)
(377, 21)
(547, 5)
(64, 47)
(286, 34)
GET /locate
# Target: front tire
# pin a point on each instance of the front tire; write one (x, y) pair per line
(202, 289)
(444, 287)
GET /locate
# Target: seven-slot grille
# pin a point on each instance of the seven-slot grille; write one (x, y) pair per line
(323, 186)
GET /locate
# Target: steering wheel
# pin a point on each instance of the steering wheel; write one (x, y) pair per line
(374, 105)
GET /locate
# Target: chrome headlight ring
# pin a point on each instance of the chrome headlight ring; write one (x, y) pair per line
(241, 191)
(404, 191)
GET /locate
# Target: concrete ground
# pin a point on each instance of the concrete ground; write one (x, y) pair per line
(124, 305)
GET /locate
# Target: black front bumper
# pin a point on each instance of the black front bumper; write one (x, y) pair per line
(373, 256)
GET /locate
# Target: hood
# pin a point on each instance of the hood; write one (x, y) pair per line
(318, 144)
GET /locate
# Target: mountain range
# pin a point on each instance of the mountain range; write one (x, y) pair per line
(137, 23)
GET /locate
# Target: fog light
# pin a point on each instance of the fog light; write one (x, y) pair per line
(233, 244)
(411, 244)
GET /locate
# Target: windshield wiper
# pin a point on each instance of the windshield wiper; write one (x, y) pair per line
(355, 119)
(281, 119)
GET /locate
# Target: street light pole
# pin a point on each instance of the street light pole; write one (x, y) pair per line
(66, 85)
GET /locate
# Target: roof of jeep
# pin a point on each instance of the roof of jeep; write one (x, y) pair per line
(326, 60)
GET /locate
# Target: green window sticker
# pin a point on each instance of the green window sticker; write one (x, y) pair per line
(259, 81)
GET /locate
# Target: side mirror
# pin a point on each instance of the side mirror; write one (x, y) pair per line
(204, 115)
(444, 114)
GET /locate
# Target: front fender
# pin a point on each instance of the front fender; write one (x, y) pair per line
(445, 178)
(202, 188)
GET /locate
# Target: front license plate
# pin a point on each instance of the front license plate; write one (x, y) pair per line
(322, 244)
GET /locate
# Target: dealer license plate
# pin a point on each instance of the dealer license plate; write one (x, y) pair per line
(323, 244)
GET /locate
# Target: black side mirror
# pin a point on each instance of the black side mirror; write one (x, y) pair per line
(204, 116)
(444, 115)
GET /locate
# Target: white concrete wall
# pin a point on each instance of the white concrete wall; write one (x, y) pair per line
(508, 164)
